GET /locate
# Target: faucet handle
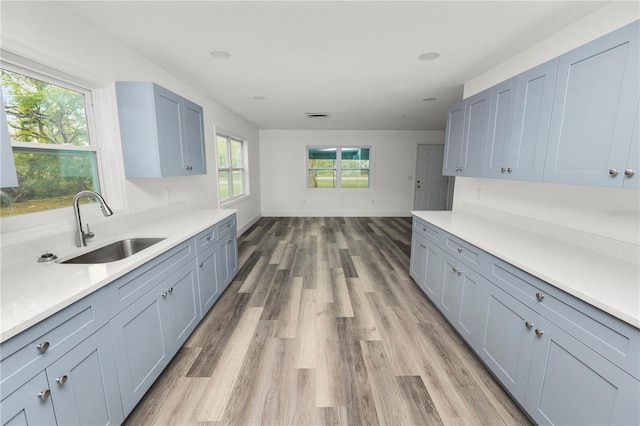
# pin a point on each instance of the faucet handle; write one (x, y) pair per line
(88, 235)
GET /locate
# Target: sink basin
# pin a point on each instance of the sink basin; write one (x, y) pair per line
(115, 251)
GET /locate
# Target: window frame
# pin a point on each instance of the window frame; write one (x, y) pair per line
(244, 169)
(338, 169)
(61, 79)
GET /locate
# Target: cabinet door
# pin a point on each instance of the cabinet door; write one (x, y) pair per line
(476, 127)
(232, 255)
(194, 151)
(531, 122)
(142, 346)
(447, 301)
(170, 136)
(593, 111)
(453, 140)
(432, 285)
(83, 383)
(507, 339)
(417, 268)
(207, 280)
(503, 106)
(631, 176)
(571, 384)
(466, 304)
(180, 294)
(27, 405)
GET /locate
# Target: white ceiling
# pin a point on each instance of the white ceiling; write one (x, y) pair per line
(356, 60)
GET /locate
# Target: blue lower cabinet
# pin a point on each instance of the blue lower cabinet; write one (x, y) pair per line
(181, 296)
(571, 384)
(208, 286)
(142, 345)
(31, 404)
(84, 385)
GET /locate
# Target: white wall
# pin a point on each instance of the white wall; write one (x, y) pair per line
(612, 213)
(49, 34)
(283, 172)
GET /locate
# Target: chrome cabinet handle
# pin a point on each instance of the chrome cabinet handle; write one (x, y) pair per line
(44, 394)
(62, 380)
(164, 294)
(539, 332)
(504, 169)
(201, 264)
(528, 324)
(509, 169)
(42, 347)
(539, 296)
(459, 250)
(614, 172)
(208, 237)
(629, 172)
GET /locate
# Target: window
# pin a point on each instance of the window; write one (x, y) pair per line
(338, 168)
(231, 168)
(49, 132)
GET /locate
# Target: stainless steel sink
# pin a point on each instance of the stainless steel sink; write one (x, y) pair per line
(115, 251)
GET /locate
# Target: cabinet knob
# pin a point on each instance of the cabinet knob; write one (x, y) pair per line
(44, 394)
(62, 380)
(528, 324)
(42, 347)
(201, 264)
(539, 296)
(614, 172)
(208, 237)
(504, 169)
(539, 332)
(164, 294)
(170, 290)
(509, 169)
(629, 172)
(459, 250)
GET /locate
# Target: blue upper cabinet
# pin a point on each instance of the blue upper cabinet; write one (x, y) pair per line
(594, 111)
(162, 133)
(519, 124)
(476, 117)
(8, 175)
(453, 140)
(503, 107)
(631, 177)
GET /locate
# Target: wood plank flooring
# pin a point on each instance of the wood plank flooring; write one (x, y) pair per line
(323, 326)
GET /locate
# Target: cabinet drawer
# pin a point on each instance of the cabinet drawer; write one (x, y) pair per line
(227, 225)
(129, 288)
(615, 340)
(33, 350)
(426, 230)
(206, 239)
(463, 251)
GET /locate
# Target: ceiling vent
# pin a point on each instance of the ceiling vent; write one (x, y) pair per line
(315, 115)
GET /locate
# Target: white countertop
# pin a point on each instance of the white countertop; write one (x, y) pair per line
(32, 291)
(607, 282)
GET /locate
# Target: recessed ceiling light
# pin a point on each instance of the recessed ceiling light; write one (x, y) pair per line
(429, 99)
(314, 115)
(259, 98)
(220, 54)
(430, 56)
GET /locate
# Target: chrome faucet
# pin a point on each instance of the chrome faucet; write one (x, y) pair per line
(81, 236)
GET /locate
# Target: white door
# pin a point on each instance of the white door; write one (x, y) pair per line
(431, 186)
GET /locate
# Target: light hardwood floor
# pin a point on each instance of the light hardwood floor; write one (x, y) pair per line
(323, 325)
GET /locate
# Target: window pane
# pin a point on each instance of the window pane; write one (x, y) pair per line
(238, 184)
(322, 179)
(48, 179)
(223, 184)
(223, 154)
(322, 158)
(355, 179)
(42, 112)
(236, 154)
(355, 158)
